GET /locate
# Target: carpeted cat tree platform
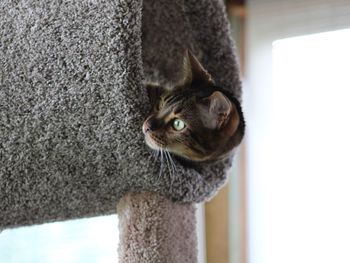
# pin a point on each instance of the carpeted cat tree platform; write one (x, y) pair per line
(72, 106)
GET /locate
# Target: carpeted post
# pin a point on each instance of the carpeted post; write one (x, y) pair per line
(155, 229)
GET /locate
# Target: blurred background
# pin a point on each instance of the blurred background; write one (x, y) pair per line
(288, 198)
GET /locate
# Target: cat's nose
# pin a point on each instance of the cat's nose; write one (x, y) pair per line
(145, 127)
(150, 124)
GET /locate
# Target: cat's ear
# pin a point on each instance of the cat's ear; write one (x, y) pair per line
(193, 70)
(222, 113)
(154, 93)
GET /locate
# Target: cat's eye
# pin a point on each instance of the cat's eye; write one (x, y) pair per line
(178, 124)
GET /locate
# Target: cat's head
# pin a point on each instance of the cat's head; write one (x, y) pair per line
(195, 119)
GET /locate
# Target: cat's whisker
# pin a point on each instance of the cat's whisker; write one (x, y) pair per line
(155, 154)
(151, 156)
(161, 163)
(172, 162)
(149, 159)
(172, 169)
(168, 164)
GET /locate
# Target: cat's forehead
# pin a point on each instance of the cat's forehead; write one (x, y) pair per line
(175, 106)
(174, 99)
(182, 101)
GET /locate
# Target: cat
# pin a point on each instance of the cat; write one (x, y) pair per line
(195, 119)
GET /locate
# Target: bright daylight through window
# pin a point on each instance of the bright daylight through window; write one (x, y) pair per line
(90, 240)
(304, 206)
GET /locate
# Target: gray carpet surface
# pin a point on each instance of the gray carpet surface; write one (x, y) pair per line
(72, 102)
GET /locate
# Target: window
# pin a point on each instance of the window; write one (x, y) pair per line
(305, 195)
(298, 108)
(92, 240)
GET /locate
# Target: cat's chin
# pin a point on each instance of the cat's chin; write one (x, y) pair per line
(152, 144)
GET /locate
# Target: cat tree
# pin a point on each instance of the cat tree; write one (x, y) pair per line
(72, 107)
